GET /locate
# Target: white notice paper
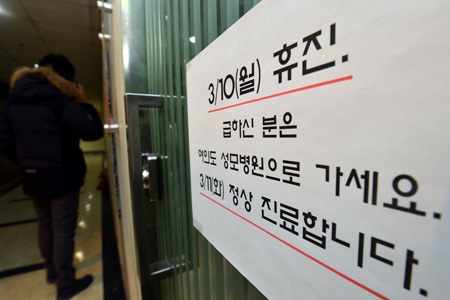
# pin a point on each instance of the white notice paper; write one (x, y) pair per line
(319, 139)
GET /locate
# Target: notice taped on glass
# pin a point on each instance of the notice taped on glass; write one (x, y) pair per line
(319, 148)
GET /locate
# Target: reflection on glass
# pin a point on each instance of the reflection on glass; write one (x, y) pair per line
(79, 256)
(82, 224)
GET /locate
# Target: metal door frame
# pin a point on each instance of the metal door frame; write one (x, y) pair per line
(133, 102)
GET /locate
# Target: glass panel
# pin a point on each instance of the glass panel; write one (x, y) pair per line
(232, 12)
(160, 37)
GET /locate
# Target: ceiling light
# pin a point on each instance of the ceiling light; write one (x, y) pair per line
(192, 39)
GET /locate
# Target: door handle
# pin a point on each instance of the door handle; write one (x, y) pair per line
(111, 128)
(150, 176)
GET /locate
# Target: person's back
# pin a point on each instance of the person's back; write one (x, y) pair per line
(41, 124)
(48, 122)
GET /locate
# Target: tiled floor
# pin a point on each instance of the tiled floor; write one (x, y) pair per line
(18, 242)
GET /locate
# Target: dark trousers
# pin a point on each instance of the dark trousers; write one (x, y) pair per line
(57, 223)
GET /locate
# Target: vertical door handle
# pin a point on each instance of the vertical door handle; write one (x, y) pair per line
(150, 176)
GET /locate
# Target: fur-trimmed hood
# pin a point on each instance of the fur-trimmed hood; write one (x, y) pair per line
(26, 81)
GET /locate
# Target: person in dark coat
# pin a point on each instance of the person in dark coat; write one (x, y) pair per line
(41, 124)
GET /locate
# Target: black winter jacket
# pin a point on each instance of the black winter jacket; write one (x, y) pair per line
(40, 128)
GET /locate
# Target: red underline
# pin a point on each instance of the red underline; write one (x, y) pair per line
(287, 92)
(303, 253)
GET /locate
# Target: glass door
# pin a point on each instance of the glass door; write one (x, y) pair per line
(174, 260)
(159, 37)
(145, 118)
